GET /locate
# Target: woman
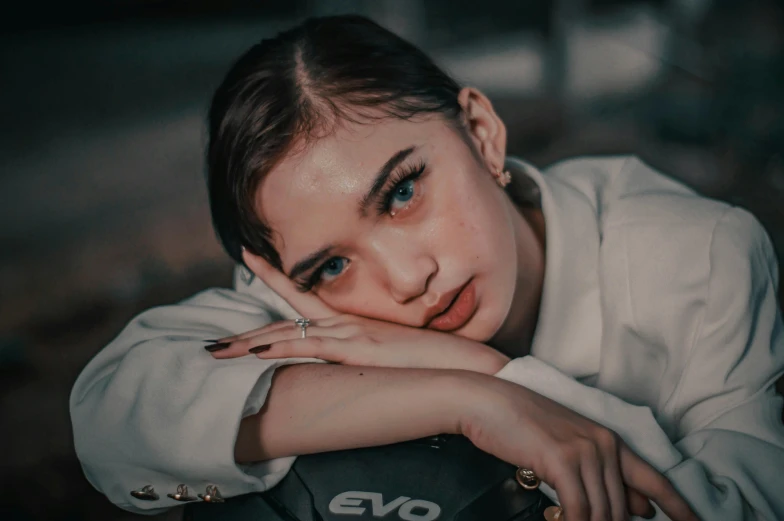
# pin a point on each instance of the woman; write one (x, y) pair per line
(599, 323)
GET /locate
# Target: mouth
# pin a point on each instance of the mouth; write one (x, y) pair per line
(459, 311)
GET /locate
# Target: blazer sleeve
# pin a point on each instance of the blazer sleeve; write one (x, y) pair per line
(153, 408)
(726, 451)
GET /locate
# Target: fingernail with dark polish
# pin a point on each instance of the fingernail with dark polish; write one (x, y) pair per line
(258, 349)
(651, 513)
(217, 347)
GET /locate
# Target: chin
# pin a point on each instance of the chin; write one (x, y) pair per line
(483, 326)
(491, 314)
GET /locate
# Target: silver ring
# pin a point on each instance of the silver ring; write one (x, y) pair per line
(303, 324)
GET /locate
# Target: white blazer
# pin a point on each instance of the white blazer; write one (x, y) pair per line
(659, 320)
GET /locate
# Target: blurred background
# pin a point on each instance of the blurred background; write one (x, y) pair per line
(104, 208)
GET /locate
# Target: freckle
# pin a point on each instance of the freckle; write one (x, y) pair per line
(361, 374)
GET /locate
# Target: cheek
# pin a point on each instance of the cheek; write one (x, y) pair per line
(477, 227)
(363, 297)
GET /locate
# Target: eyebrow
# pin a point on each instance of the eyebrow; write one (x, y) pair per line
(381, 178)
(310, 262)
(379, 182)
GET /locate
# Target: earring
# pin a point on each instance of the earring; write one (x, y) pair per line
(502, 177)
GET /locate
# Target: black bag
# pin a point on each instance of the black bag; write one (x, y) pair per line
(442, 478)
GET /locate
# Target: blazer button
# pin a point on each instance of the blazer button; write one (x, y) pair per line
(212, 495)
(182, 494)
(146, 493)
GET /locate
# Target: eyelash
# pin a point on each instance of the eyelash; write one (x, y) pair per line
(383, 206)
(409, 173)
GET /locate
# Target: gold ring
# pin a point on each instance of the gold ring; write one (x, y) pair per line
(553, 513)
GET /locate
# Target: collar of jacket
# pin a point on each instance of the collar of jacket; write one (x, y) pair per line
(568, 333)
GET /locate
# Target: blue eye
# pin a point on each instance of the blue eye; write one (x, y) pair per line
(401, 195)
(401, 190)
(333, 267)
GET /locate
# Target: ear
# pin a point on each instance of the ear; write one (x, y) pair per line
(485, 128)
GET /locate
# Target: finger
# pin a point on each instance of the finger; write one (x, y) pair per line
(572, 495)
(326, 327)
(639, 505)
(323, 347)
(227, 349)
(272, 326)
(254, 344)
(613, 481)
(242, 346)
(279, 324)
(592, 472)
(640, 475)
(306, 304)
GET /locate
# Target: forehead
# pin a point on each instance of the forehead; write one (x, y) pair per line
(314, 192)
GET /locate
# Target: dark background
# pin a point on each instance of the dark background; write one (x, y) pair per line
(101, 133)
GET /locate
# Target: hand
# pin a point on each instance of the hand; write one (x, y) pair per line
(597, 476)
(352, 340)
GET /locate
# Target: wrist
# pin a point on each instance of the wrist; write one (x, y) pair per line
(498, 362)
(476, 357)
(466, 396)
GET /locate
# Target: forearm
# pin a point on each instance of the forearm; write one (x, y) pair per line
(316, 408)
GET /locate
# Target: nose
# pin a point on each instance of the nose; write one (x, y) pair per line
(405, 266)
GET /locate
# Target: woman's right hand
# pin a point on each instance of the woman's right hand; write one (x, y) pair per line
(596, 475)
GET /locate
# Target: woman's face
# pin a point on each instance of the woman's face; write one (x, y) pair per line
(402, 221)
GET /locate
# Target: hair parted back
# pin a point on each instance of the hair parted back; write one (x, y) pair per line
(288, 89)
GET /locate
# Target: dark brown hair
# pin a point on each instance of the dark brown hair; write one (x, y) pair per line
(290, 88)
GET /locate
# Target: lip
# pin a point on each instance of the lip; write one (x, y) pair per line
(459, 307)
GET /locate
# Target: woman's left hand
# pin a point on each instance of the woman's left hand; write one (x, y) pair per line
(352, 340)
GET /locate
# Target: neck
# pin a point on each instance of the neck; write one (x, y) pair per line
(516, 334)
